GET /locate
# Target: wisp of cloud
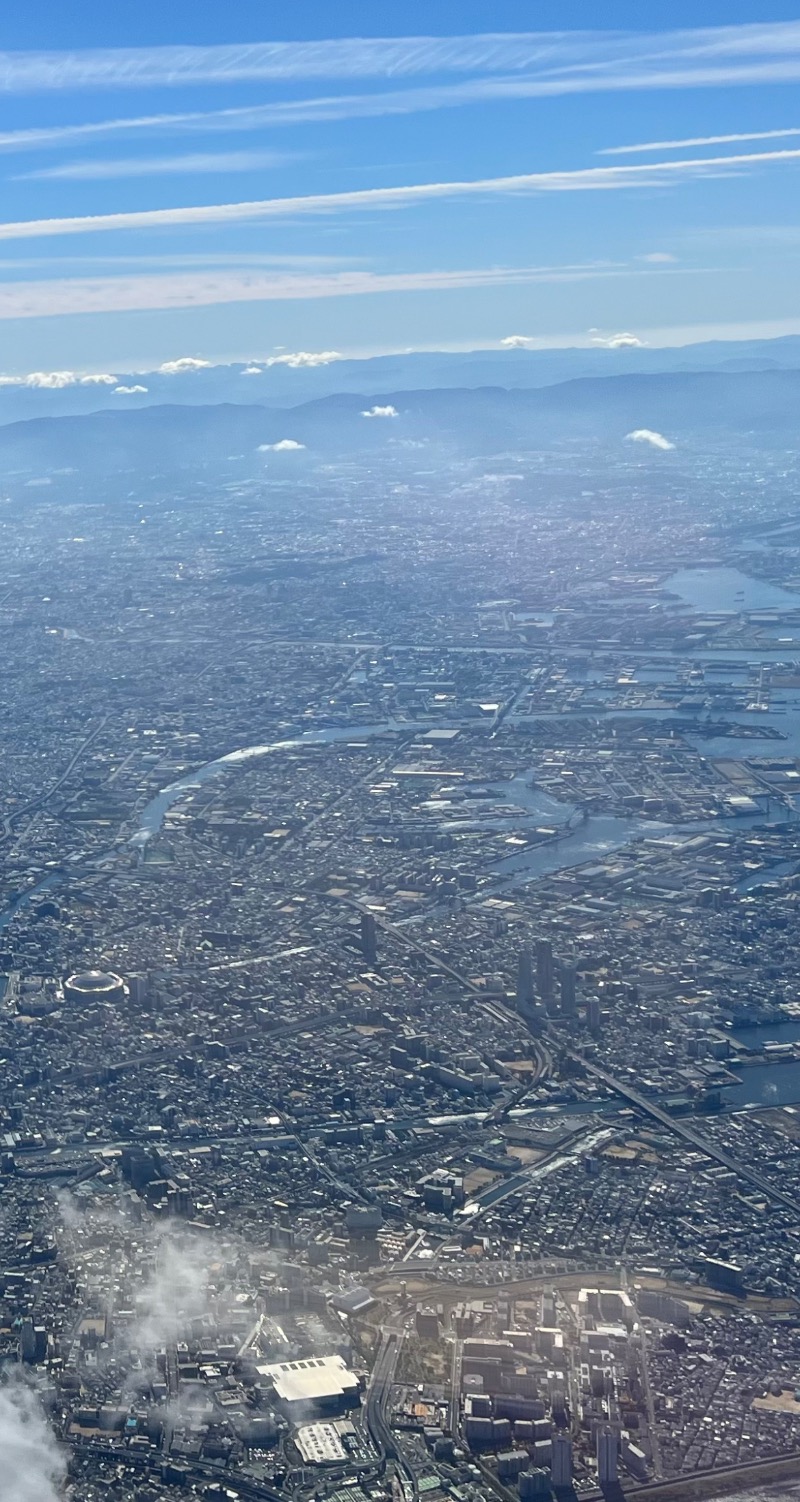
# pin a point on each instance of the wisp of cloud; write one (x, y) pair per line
(33, 1468)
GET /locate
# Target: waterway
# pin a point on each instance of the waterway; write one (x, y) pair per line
(767, 1032)
(712, 590)
(595, 837)
(592, 839)
(154, 813)
(764, 1085)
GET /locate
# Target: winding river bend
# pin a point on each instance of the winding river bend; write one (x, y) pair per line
(597, 836)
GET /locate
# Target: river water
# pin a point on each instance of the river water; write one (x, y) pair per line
(714, 590)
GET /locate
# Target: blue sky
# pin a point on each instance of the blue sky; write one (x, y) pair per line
(258, 180)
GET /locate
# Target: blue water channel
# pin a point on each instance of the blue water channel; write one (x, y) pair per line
(713, 590)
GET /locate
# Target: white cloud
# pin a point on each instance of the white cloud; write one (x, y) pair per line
(37, 299)
(381, 412)
(175, 1294)
(253, 370)
(583, 59)
(283, 446)
(348, 57)
(99, 170)
(517, 341)
(129, 390)
(617, 341)
(182, 366)
(521, 66)
(305, 359)
(659, 258)
(33, 1468)
(646, 435)
(56, 380)
(584, 179)
(731, 140)
(410, 101)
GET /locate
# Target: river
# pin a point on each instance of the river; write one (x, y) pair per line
(593, 838)
(712, 590)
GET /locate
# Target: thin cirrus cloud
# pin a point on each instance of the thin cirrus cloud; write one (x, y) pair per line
(332, 108)
(38, 299)
(564, 57)
(730, 140)
(191, 163)
(651, 174)
(536, 65)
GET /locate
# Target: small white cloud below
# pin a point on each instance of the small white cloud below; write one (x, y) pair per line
(659, 258)
(647, 435)
(283, 446)
(517, 341)
(183, 366)
(253, 370)
(35, 484)
(617, 341)
(305, 359)
(381, 412)
(130, 390)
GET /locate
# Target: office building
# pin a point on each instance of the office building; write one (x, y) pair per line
(567, 989)
(524, 980)
(369, 938)
(545, 971)
(607, 1452)
(561, 1463)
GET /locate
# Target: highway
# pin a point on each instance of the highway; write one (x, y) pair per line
(9, 820)
(454, 1411)
(380, 1385)
(377, 1397)
(681, 1128)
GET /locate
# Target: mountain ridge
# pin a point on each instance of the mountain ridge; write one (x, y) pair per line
(283, 385)
(687, 407)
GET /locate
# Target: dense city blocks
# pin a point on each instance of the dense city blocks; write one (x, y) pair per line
(399, 947)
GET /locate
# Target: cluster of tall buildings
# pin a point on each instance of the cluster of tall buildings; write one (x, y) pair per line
(545, 983)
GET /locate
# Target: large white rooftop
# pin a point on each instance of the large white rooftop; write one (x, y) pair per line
(317, 1379)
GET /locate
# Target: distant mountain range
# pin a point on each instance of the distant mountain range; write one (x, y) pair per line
(283, 386)
(690, 409)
